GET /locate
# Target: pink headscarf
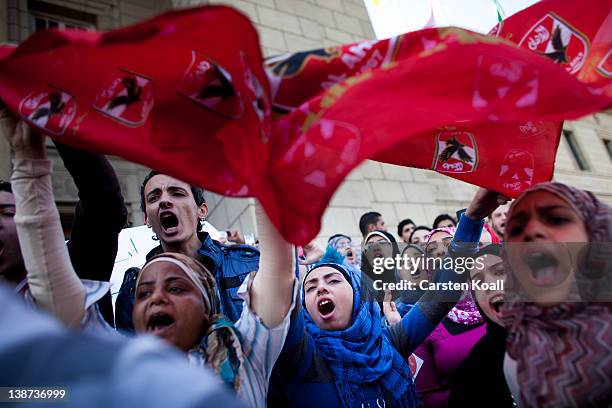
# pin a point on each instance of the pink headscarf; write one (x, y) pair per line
(465, 311)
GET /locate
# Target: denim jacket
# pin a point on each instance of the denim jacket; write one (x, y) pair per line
(230, 265)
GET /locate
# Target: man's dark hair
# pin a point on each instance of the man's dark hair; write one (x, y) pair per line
(6, 186)
(443, 217)
(419, 228)
(402, 224)
(369, 218)
(198, 193)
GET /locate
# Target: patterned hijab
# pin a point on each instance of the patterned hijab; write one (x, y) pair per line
(563, 351)
(362, 354)
(465, 311)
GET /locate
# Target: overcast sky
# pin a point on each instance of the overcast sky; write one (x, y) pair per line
(393, 17)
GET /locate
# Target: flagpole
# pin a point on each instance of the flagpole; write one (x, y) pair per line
(438, 13)
(500, 11)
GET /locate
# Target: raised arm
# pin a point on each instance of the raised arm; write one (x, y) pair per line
(51, 278)
(273, 285)
(100, 214)
(429, 311)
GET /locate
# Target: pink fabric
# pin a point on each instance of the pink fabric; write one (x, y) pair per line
(465, 311)
(442, 353)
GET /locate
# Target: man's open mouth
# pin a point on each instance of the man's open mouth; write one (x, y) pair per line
(159, 322)
(169, 222)
(326, 308)
(544, 268)
(496, 302)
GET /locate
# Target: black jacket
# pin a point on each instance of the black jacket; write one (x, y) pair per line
(100, 215)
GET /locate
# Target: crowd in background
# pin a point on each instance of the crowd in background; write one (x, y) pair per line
(283, 326)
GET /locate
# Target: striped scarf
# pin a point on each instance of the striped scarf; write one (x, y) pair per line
(563, 352)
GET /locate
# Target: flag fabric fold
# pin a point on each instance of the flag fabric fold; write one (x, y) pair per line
(183, 94)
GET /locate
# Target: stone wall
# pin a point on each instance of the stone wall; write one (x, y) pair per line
(293, 25)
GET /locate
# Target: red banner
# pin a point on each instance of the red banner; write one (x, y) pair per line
(183, 94)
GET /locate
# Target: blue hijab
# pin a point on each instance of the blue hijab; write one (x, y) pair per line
(362, 354)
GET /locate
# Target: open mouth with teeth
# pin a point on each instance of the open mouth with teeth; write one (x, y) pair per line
(169, 222)
(326, 308)
(159, 322)
(544, 268)
(496, 302)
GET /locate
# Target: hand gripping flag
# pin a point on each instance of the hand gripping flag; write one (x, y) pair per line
(183, 94)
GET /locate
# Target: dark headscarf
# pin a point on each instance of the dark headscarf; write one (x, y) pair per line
(484, 366)
(563, 351)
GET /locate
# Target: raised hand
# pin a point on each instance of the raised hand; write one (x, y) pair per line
(235, 236)
(390, 310)
(313, 254)
(484, 203)
(25, 142)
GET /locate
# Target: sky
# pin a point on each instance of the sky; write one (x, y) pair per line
(393, 17)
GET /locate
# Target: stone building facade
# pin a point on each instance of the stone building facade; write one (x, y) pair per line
(584, 157)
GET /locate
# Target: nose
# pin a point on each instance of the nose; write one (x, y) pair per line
(158, 297)
(533, 231)
(165, 203)
(321, 290)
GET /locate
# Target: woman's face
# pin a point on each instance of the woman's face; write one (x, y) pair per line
(169, 305)
(418, 237)
(538, 236)
(409, 272)
(344, 248)
(378, 247)
(493, 272)
(328, 298)
(438, 244)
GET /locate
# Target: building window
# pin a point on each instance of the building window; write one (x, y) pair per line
(579, 157)
(44, 16)
(608, 144)
(43, 22)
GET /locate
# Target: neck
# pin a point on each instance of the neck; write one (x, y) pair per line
(188, 247)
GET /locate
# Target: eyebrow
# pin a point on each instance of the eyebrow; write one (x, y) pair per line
(155, 190)
(166, 281)
(174, 188)
(326, 276)
(553, 207)
(523, 214)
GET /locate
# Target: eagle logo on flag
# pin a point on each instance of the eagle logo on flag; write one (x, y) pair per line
(293, 65)
(209, 85)
(559, 41)
(516, 171)
(126, 97)
(51, 110)
(456, 152)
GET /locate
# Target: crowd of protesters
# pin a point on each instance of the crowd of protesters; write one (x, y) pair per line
(282, 326)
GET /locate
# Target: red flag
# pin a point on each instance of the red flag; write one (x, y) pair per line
(181, 93)
(576, 36)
